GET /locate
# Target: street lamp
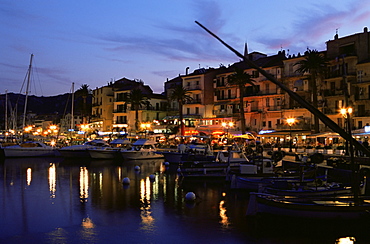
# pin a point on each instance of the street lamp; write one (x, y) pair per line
(290, 122)
(145, 127)
(346, 113)
(227, 125)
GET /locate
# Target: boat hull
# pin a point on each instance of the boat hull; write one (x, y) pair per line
(310, 208)
(104, 153)
(29, 152)
(134, 155)
(70, 153)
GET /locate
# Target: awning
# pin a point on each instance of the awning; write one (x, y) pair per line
(361, 134)
(246, 136)
(324, 134)
(285, 133)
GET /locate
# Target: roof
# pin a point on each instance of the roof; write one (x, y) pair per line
(141, 142)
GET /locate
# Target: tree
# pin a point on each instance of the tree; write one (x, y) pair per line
(84, 92)
(181, 95)
(315, 64)
(137, 99)
(241, 79)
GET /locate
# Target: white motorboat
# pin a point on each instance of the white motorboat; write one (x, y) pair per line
(82, 151)
(141, 149)
(104, 153)
(113, 151)
(30, 149)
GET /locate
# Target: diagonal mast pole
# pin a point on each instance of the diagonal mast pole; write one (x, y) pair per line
(26, 99)
(326, 120)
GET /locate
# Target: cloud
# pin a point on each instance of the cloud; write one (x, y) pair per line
(314, 25)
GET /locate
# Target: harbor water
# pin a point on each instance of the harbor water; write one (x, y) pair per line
(51, 200)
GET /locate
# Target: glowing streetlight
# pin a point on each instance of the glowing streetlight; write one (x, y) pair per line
(290, 122)
(145, 127)
(346, 113)
(227, 125)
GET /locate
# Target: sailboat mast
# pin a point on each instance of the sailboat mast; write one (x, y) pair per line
(26, 99)
(6, 110)
(72, 109)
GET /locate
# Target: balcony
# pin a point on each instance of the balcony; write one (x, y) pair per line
(362, 113)
(120, 111)
(299, 126)
(193, 88)
(120, 122)
(329, 93)
(331, 111)
(194, 101)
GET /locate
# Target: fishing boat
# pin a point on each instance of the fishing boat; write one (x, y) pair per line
(29, 149)
(226, 164)
(142, 149)
(327, 202)
(309, 188)
(317, 207)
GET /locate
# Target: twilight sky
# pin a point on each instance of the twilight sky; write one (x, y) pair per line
(94, 42)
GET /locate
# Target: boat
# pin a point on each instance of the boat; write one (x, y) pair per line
(318, 207)
(82, 151)
(113, 151)
(308, 188)
(226, 163)
(141, 149)
(207, 170)
(189, 152)
(232, 156)
(29, 149)
(327, 202)
(104, 153)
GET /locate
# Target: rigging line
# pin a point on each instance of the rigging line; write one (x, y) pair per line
(38, 79)
(20, 91)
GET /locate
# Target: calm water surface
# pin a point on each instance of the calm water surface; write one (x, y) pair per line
(57, 201)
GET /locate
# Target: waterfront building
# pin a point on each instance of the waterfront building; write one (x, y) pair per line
(124, 113)
(347, 83)
(102, 108)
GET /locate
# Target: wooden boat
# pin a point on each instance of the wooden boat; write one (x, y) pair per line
(207, 170)
(142, 149)
(29, 149)
(308, 189)
(236, 164)
(318, 207)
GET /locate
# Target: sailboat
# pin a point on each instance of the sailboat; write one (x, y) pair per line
(30, 148)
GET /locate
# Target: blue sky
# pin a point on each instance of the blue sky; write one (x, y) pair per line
(94, 42)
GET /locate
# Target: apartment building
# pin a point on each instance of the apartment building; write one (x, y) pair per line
(102, 108)
(123, 112)
(347, 82)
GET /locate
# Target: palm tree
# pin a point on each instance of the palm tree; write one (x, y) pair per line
(84, 92)
(241, 79)
(315, 64)
(137, 99)
(181, 95)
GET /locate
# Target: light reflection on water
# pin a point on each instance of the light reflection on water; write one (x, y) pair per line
(91, 205)
(52, 180)
(84, 184)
